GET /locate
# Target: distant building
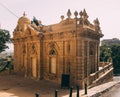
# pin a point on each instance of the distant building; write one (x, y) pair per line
(110, 42)
(70, 47)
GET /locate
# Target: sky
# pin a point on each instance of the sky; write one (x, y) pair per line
(49, 12)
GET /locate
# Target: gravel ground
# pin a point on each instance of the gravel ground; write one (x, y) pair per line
(17, 86)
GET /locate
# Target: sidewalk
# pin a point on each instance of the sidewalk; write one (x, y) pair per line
(17, 86)
(99, 90)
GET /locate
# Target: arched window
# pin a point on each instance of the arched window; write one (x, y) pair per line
(52, 52)
(52, 61)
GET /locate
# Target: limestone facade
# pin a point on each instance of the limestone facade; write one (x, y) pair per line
(68, 47)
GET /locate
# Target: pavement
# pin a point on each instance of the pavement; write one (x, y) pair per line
(99, 90)
(18, 86)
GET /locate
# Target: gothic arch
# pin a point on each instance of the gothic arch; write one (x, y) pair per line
(53, 61)
(52, 46)
(52, 52)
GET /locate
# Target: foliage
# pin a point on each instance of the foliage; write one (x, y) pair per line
(116, 58)
(111, 52)
(105, 53)
(4, 38)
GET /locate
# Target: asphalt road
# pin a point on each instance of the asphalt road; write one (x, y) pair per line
(115, 91)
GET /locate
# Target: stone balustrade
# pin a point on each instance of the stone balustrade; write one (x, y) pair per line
(97, 78)
(102, 64)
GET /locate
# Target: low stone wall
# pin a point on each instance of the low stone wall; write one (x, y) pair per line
(102, 64)
(102, 76)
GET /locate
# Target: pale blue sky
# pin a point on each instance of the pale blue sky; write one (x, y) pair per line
(49, 12)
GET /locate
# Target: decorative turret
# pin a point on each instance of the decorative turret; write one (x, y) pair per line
(23, 22)
(24, 19)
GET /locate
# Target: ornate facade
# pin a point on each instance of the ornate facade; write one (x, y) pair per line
(68, 47)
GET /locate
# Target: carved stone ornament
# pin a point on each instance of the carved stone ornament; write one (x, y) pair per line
(52, 45)
(76, 14)
(32, 49)
(62, 17)
(81, 14)
(69, 13)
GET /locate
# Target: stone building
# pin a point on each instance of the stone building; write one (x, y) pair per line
(68, 47)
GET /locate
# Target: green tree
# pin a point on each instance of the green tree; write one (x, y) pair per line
(105, 53)
(116, 58)
(4, 38)
(113, 52)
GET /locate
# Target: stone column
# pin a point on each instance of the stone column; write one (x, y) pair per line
(80, 62)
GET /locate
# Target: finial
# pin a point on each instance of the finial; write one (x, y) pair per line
(96, 24)
(85, 14)
(62, 17)
(24, 14)
(81, 13)
(96, 21)
(68, 13)
(76, 14)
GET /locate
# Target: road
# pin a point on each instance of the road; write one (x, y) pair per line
(115, 91)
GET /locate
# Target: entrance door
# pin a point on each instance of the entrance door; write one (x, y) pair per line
(34, 67)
